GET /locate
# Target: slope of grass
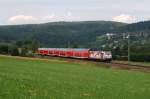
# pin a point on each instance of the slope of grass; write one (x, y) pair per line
(39, 79)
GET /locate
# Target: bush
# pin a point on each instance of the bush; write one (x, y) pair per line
(4, 48)
(140, 57)
(14, 51)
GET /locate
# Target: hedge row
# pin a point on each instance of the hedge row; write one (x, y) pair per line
(140, 57)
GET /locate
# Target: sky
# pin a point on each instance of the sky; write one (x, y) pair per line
(42, 11)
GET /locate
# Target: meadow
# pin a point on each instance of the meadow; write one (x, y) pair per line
(23, 78)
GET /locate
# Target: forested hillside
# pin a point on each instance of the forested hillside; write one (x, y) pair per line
(59, 34)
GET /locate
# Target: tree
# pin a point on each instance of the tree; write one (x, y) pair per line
(35, 45)
(14, 50)
(4, 48)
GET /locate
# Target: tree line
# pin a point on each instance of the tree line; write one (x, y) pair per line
(20, 48)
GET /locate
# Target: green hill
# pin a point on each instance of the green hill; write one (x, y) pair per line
(83, 34)
(59, 34)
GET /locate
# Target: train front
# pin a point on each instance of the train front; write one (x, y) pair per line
(101, 55)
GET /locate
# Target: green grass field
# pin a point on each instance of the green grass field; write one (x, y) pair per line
(41, 79)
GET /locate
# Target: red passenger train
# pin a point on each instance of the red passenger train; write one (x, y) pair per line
(76, 53)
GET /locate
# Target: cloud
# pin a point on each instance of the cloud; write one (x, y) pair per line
(49, 17)
(30, 19)
(21, 18)
(124, 18)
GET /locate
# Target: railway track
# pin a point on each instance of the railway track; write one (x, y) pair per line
(115, 65)
(142, 66)
(130, 66)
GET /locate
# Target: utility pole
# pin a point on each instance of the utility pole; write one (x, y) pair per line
(128, 46)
